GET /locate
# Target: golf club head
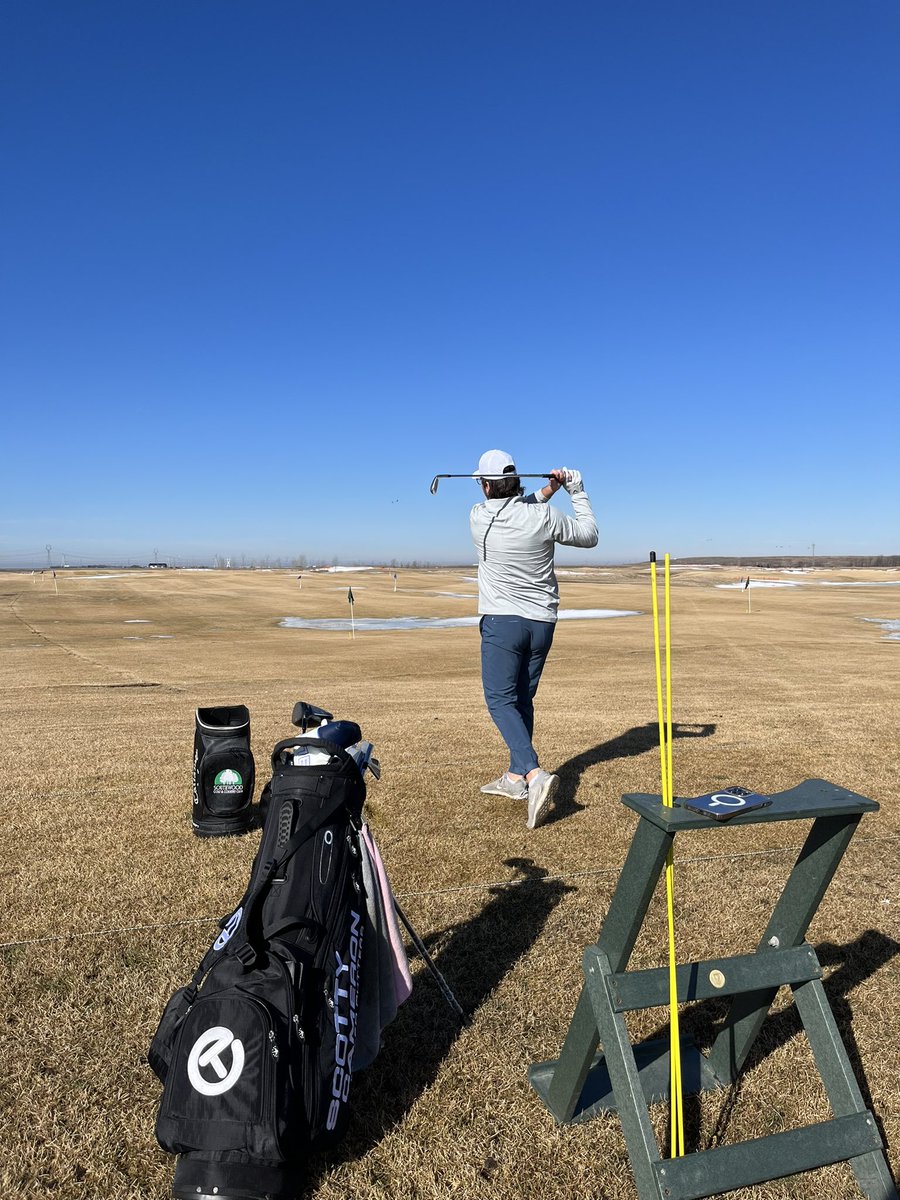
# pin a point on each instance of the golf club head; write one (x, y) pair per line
(434, 485)
(307, 716)
(363, 754)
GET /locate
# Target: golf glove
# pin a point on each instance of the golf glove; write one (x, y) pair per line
(573, 482)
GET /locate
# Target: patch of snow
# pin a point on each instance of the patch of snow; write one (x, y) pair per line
(137, 621)
(890, 625)
(378, 624)
(760, 583)
(594, 614)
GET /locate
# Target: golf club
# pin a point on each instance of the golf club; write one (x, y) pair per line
(307, 716)
(519, 475)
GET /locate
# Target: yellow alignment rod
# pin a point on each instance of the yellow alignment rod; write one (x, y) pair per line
(675, 1089)
(659, 694)
(668, 610)
(665, 770)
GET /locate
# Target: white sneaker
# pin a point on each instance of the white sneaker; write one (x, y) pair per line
(541, 790)
(512, 789)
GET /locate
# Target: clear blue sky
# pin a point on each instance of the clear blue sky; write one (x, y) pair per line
(268, 267)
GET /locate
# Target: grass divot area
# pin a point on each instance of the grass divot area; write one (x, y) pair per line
(101, 869)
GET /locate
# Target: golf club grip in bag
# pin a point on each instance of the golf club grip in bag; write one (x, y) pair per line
(224, 772)
(256, 1053)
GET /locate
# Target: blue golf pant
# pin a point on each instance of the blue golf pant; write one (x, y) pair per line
(513, 653)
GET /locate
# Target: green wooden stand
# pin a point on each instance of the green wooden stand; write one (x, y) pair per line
(625, 1078)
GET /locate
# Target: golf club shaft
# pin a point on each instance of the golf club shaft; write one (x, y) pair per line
(507, 475)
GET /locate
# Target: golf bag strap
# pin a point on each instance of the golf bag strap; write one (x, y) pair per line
(242, 947)
(246, 955)
(286, 923)
(290, 848)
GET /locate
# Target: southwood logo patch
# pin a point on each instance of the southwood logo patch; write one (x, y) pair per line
(228, 783)
(208, 1054)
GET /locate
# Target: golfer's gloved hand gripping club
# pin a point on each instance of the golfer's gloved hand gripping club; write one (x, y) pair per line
(563, 477)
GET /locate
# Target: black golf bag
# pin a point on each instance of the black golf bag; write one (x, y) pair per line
(256, 1053)
(223, 771)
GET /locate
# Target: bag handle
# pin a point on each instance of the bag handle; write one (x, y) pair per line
(333, 749)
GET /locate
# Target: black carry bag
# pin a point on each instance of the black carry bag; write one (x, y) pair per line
(256, 1053)
(224, 771)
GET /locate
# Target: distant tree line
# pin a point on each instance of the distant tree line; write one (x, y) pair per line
(296, 562)
(300, 562)
(780, 562)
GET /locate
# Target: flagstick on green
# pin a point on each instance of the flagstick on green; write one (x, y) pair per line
(352, 622)
(747, 590)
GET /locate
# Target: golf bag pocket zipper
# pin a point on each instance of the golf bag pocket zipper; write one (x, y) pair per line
(226, 1089)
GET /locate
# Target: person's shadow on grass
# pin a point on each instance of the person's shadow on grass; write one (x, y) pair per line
(635, 741)
(474, 957)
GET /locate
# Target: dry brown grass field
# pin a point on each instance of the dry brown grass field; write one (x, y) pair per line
(109, 900)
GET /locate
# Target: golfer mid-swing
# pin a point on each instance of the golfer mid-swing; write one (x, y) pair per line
(518, 598)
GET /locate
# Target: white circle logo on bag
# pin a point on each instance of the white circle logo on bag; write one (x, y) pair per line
(210, 1052)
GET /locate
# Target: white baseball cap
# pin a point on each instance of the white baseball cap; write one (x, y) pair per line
(493, 464)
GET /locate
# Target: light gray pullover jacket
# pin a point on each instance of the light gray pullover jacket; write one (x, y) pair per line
(515, 539)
